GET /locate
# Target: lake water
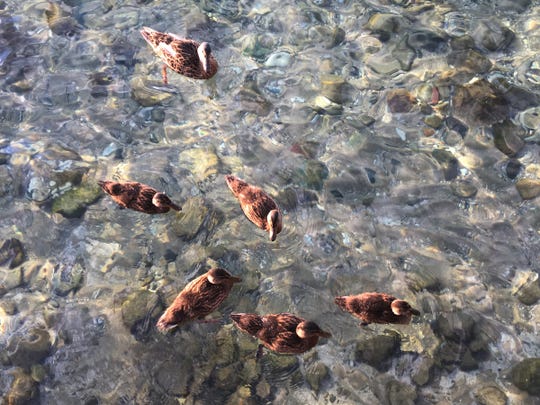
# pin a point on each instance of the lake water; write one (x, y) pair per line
(400, 138)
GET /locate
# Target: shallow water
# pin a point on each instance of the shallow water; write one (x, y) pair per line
(400, 139)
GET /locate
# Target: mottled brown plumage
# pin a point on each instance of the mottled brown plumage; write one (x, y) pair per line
(138, 197)
(258, 206)
(283, 333)
(199, 298)
(184, 56)
(372, 307)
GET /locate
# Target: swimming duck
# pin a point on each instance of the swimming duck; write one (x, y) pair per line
(199, 298)
(283, 333)
(372, 307)
(184, 56)
(258, 206)
(138, 197)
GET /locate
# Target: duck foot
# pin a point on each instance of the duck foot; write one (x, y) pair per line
(164, 74)
(259, 352)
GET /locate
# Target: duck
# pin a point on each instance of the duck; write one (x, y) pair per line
(375, 307)
(200, 297)
(283, 333)
(185, 56)
(258, 206)
(138, 197)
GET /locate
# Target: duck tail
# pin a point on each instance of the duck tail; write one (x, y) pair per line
(249, 323)
(235, 184)
(341, 302)
(170, 320)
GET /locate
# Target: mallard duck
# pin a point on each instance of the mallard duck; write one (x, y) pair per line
(184, 56)
(138, 197)
(199, 298)
(372, 307)
(258, 206)
(283, 333)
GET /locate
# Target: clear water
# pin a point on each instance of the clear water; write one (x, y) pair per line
(368, 205)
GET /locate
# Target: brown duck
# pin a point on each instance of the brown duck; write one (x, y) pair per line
(283, 333)
(199, 298)
(258, 206)
(184, 56)
(138, 197)
(372, 307)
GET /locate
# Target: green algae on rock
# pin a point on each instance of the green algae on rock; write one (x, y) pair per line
(526, 375)
(73, 203)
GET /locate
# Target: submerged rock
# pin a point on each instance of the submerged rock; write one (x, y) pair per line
(480, 103)
(195, 217)
(149, 93)
(492, 35)
(526, 375)
(400, 393)
(378, 351)
(400, 101)
(513, 167)
(29, 347)
(68, 277)
(12, 253)
(73, 203)
(423, 373)
(171, 380)
(448, 162)
(139, 309)
(527, 287)
(491, 395)
(316, 373)
(23, 389)
(323, 105)
(469, 59)
(508, 137)
(528, 188)
(203, 163)
(464, 189)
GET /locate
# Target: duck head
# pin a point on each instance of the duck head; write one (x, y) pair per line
(219, 276)
(204, 52)
(400, 307)
(309, 329)
(161, 200)
(274, 223)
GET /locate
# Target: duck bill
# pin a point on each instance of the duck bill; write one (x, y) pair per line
(415, 312)
(325, 334)
(235, 279)
(273, 234)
